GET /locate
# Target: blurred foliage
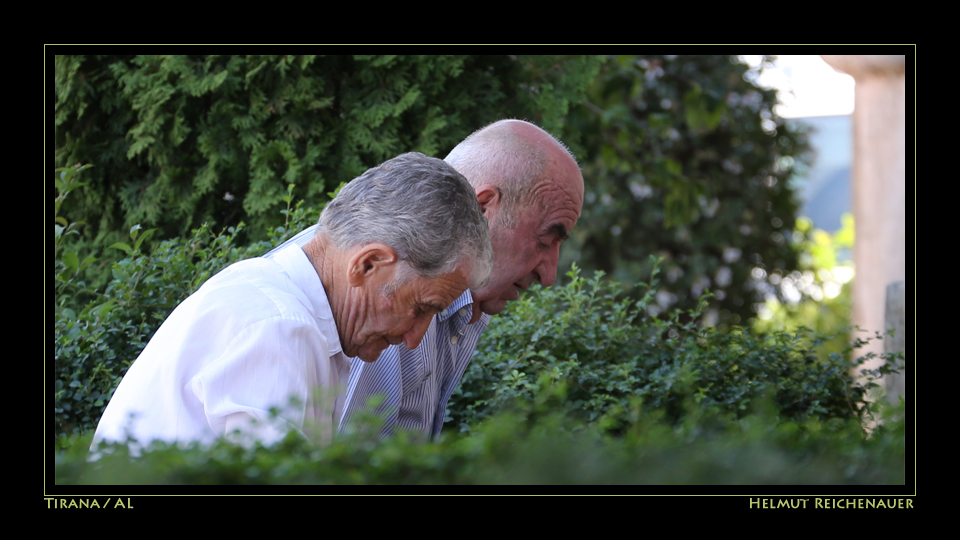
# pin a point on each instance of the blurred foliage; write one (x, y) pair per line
(685, 159)
(818, 294)
(178, 141)
(512, 448)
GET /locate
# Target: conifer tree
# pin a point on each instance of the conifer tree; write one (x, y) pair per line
(179, 140)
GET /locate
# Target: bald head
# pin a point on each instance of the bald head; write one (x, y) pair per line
(531, 192)
(515, 156)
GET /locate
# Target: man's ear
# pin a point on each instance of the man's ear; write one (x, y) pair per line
(489, 197)
(369, 262)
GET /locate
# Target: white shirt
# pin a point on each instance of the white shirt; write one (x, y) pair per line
(415, 385)
(254, 337)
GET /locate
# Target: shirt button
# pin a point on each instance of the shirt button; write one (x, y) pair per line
(462, 312)
(454, 340)
(443, 313)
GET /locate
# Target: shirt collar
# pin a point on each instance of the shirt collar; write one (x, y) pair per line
(464, 301)
(301, 271)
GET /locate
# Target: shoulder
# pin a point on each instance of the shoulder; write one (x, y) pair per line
(250, 292)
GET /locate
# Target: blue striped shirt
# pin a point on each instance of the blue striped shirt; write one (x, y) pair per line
(412, 388)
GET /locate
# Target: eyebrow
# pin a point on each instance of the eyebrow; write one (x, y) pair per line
(558, 230)
(432, 305)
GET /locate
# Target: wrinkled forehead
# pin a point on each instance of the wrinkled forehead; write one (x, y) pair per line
(564, 174)
(560, 194)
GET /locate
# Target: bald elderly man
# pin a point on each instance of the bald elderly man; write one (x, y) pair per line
(530, 189)
(263, 347)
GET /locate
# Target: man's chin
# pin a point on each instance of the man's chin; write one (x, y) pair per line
(370, 354)
(493, 307)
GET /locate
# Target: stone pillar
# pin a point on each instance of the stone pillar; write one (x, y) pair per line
(879, 184)
(896, 321)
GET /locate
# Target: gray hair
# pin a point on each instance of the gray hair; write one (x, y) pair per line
(498, 155)
(423, 209)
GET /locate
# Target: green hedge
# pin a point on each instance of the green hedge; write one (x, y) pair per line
(511, 449)
(570, 385)
(603, 357)
(180, 140)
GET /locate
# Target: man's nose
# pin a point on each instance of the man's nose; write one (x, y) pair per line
(547, 269)
(413, 337)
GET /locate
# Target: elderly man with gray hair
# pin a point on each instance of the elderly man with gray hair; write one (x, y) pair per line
(263, 347)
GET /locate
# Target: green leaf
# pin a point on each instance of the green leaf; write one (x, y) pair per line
(71, 260)
(146, 234)
(122, 246)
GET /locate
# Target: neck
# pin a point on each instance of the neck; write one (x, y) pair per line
(329, 262)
